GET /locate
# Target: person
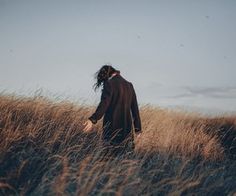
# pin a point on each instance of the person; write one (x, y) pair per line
(119, 107)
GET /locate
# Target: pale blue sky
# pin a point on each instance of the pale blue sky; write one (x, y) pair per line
(176, 53)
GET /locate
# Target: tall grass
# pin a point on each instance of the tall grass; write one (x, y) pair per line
(44, 151)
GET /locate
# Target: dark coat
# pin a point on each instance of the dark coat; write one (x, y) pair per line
(119, 104)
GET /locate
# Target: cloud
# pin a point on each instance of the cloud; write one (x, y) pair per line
(198, 98)
(182, 95)
(161, 91)
(207, 92)
(213, 92)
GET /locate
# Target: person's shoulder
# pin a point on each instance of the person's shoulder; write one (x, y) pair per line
(125, 80)
(120, 79)
(131, 84)
(128, 83)
(107, 83)
(110, 84)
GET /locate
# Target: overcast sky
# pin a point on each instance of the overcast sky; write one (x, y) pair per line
(176, 53)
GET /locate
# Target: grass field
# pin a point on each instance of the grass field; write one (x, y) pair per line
(43, 151)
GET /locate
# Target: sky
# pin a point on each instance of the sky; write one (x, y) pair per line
(178, 53)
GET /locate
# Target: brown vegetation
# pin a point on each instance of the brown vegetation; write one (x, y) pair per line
(44, 151)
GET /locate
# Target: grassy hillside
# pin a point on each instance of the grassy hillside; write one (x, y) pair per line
(43, 151)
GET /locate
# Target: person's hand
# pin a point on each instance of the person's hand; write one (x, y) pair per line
(88, 126)
(138, 135)
(137, 138)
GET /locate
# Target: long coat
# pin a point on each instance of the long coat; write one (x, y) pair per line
(119, 107)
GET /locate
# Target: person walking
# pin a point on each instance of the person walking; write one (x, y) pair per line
(119, 107)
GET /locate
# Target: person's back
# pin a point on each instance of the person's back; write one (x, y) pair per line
(118, 105)
(119, 110)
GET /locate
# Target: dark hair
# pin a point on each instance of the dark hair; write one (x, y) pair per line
(103, 75)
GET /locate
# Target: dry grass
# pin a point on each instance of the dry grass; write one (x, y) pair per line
(43, 151)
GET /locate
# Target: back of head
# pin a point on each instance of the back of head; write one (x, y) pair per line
(103, 74)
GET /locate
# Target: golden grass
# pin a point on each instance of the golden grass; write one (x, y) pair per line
(44, 151)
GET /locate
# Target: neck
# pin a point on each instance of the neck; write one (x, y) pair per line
(113, 75)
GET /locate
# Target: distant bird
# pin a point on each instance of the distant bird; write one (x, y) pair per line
(207, 17)
(181, 45)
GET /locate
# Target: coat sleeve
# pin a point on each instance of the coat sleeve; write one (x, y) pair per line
(104, 103)
(135, 112)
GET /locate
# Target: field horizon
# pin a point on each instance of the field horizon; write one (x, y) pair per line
(44, 151)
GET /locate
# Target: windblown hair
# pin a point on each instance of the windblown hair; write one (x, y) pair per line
(103, 74)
